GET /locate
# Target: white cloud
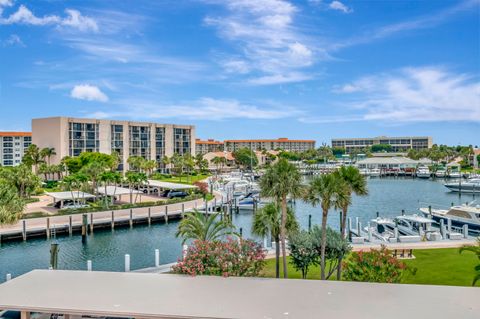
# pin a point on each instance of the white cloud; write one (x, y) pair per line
(337, 5)
(5, 3)
(279, 79)
(74, 19)
(202, 109)
(88, 92)
(266, 38)
(416, 95)
(13, 40)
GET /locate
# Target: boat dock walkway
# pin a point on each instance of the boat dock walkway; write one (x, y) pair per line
(68, 224)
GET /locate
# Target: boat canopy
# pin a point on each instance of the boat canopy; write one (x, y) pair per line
(416, 219)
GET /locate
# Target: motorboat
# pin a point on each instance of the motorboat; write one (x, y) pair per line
(364, 171)
(415, 225)
(467, 214)
(469, 186)
(381, 228)
(440, 173)
(423, 172)
(454, 174)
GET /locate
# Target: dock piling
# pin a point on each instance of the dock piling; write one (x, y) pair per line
(48, 228)
(449, 225)
(184, 250)
(309, 222)
(70, 228)
(127, 262)
(403, 212)
(465, 230)
(8, 277)
(131, 218)
(157, 258)
(149, 216)
(183, 210)
(54, 255)
(91, 223)
(24, 230)
(84, 228)
(113, 220)
(89, 265)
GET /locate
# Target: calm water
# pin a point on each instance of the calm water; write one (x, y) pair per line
(106, 249)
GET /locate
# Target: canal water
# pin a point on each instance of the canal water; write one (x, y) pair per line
(107, 248)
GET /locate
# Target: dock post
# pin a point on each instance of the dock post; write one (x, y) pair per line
(359, 229)
(395, 232)
(149, 216)
(113, 220)
(48, 228)
(70, 228)
(265, 242)
(89, 265)
(378, 214)
(309, 222)
(8, 277)
(131, 218)
(215, 203)
(449, 225)
(241, 232)
(157, 258)
(183, 209)
(403, 212)
(24, 230)
(91, 223)
(369, 234)
(442, 229)
(84, 228)
(54, 255)
(465, 230)
(127, 262)
(184, 250)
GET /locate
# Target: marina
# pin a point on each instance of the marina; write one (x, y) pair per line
(106, 247)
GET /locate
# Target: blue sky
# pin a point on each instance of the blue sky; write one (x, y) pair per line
(248, 68)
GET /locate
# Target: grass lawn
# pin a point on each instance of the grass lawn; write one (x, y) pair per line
(434, 267)
(184, 179)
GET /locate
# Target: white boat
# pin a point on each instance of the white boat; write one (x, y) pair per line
(374, 172)
(440, 173)
(459, 215)
(469, 186)
(454, 174)
(423, 172)
(364, 171)
(414, 225)
(381, 228)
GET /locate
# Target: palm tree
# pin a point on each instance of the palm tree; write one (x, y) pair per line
(93, 171)
(200, 226)
(166, 161)
(280, 181)
(218, 161)
(267, 222)
(476, 251)
(325, 152)
(33, 157)
(328, 191)
(108, 178)
(47, 153)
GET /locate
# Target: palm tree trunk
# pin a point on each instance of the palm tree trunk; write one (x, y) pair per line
(277, 257)
(282, 235)
(324, 243)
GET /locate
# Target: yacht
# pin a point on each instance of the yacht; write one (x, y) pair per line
(468, 214)
(454, 174)
(423, 172)
(414, 225)
(382, 228)
(469, 186)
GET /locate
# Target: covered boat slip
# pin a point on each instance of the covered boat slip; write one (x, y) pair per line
(134, 295)
(75, 196)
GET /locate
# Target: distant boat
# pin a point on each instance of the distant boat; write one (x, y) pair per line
(423, 172)
(374, 172)
(440, 173)
(454, 174)
(469, 186)
(459, 215)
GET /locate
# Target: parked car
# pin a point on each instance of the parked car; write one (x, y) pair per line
(75, 206)
(176, 194)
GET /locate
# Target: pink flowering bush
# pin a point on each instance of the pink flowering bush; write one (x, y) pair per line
(239, 258)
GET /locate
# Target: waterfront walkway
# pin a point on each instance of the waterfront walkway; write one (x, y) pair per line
(48, 226)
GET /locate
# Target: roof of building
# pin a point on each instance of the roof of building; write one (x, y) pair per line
(281, 140)
(15, 133)
(209, 141)
(378, 137)
(116, 191)
(168, 185)
(139, 295)
(69, 196)
(227, 155)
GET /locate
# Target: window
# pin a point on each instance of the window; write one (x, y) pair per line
(181, 141)
(139, 141)
(83, 137)
(159, 143)
(117, 139)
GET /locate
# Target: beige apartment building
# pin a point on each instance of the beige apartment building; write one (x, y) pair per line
(270, 145)
(13, 146)
(208, 146)
(152, 141)
(399, 144)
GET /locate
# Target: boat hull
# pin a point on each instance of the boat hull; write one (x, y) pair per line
(464, 188)
(456, 223)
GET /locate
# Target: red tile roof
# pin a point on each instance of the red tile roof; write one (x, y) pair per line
(15, 133)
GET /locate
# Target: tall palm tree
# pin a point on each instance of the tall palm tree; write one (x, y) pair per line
(267, 222)
(281, 180)
(33, 157)
(328, 191)
(47, 153)
(217, 160)
(200, 226)
(166, 161)
(476, 251)
(357, 184)
(93, 171)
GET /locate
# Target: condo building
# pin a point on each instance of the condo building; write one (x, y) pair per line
(13, 146)
(399, 144)
(269, 145)
(152, 141)
(208, 146)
